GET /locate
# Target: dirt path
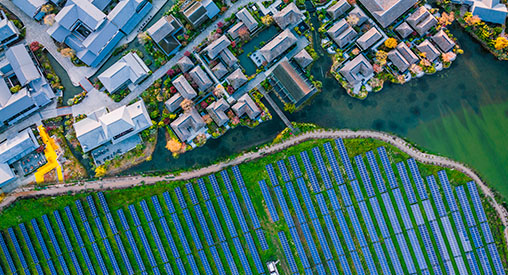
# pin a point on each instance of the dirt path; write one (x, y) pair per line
(126, 182)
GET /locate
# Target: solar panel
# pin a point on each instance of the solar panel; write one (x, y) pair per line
(322, 240)
(81, 211)
(472, 263)
(299, 247)
(111, 256)
(371, 229)
(142, 236)
(406, 183)
(380, 219)
(169, 238)
(215, 185)
(387, 167)
(450, 236)
(254, 253)
(459, 227)
(295, 167)
(415, 208)
(344, 229)
(344, 265)
(364, 175)
(18, 250)
(332, 267)
(180, 198)
(494, 254)
(268, 201)
(284, 206)
(461, 266)
(357, 263)
(447, 191)
(477, 204)
(333, 235)
(67, 241)
(238, 176)
(484, 260)
(203, 189)
(91, 239)
(345, 195)
(300, 215)
(42, 244)
(436, 195)
(28, 243)
(229, 258)
(272, 175)
(401, 207)
(306, 198)
(216, 260)
(333, 163)
(226, 180)
(238, 211)
(357, 191)
(322, 168)
(55, 244)
(429, 211)
(155, 235)
(287, 252)
(250, 208)
(283, 170)
(169, 202)
(215, 220)
(356, 226)
(192, 194)
(382, 258)
(91, 204)
(111, 223)
(345, 159)
(225, 213)
(181, 234)
(368, 259)
(204, 225)
(241, 254)
(194, 233)
(417, 249)
(375, 171)
(415, 172)
(123, 254)
(436, 232)
(424, 233)
(477, 241)
(262, 240)
(464, 203)
(406, 255)
(486, 232)
(310, 172)
(102, 232)
(134, 215)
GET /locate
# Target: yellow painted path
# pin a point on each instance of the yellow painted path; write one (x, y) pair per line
(50, 153)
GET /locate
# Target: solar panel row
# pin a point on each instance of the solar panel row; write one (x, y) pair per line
(42, 244)
(306, 198)
(332, 159)
(464, 203)
(77, 236)
(420, 259)
(238, 176)
(7, 255)
(67, 241)
(429, 247)
(283, 170)
(417, 178)
(364, 175)
(436, 195)
(142, 236)
(271, 175)
(477, 204)
(287, 252)
(498, 266)
(406, 183)
(401, 207)
(443, 178)
(342, 221)
(371, 158)
(268, 201)
(56, 246)
(130, 239)
(369, 260)
(310, 172)
(18, 250)
(345, 159)
(294, 166)
(406, 255)
(155, 234)
(322, 168)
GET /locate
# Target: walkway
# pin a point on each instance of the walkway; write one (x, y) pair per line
(277, 109)
(131, 181)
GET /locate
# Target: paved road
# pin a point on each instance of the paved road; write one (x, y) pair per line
(126, 182)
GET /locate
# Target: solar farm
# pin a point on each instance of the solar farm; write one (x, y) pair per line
(320, 211)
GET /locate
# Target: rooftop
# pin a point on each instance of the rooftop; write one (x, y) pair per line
(278, 45)
(129, 69)
(387, 11)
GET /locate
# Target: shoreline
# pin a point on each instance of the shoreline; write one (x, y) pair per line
(132, 181)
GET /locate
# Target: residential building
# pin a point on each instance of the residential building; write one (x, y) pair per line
(104, 128)
(173, 102)
(217, 111)
(129, 69)
(430, 51)
(200, 78)
(303, 58)
(290, 84)
(217, 46)
(278, 45)
(197, 12)
(398, 60)
(14, 149)
(32, 8)
(288, 16)
(185, 64)
(493, 11)
(234, 31)
(407, 53)
(247, 19)
(236, 78)
(369, 38)
(385, 12)
(219, 70)
(8, 31)
(362, 17)
(228, 57)
(404, 30)
(245, 105)
(338, 9)
(188, 125)
(164, 32)
(19, 72)
(422, 20)
(357, 71)
(184, 88)
(443, 41)
(91, 33)
(342, 33)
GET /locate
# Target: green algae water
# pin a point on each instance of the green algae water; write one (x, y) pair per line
(460, 112)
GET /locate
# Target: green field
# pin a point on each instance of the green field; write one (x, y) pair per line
(252, 172)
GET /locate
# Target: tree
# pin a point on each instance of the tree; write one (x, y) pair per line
(243, 33)
(391, 43)
(35, 46)
(67, 52)
(289, 107)
(472, 20)
(500, 43)
(173, 145)
(143, 38)
(100, 171)
(446, 19)
(352, 19)
(381, 57)
(49, 19)
(47, 8)
(267, 20)
(187, 105)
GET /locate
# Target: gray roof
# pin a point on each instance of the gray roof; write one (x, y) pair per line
(201, 78)
(278, 45)
(6, 174)
(398, 60)
(233, 31)
(404, 30)
(246, 17)
(289, 15)
(387, 11)
(15, 148)
(162, 28)
(102, 126)
(228, 57)
(493, 11)
(198, 12)
(187, 125)
(292, 82)
(357, 70)
(22, 64)
(7, 29)
(173, 102)
(129, 69)
(431, 53)
(236, 78)
(245, 105)
(342, 33)
(422, 20)
(369, 38)
(443, 41)
(184, 88)
(303, 58)
(219, 70)
(338, 9)
(217, 111)
(217, 46)
(362, 17)
(407, 53)
(30, 7)
(185, 64)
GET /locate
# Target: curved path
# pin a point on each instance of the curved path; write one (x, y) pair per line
(130, 181)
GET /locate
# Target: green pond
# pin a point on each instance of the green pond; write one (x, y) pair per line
(461, 113)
